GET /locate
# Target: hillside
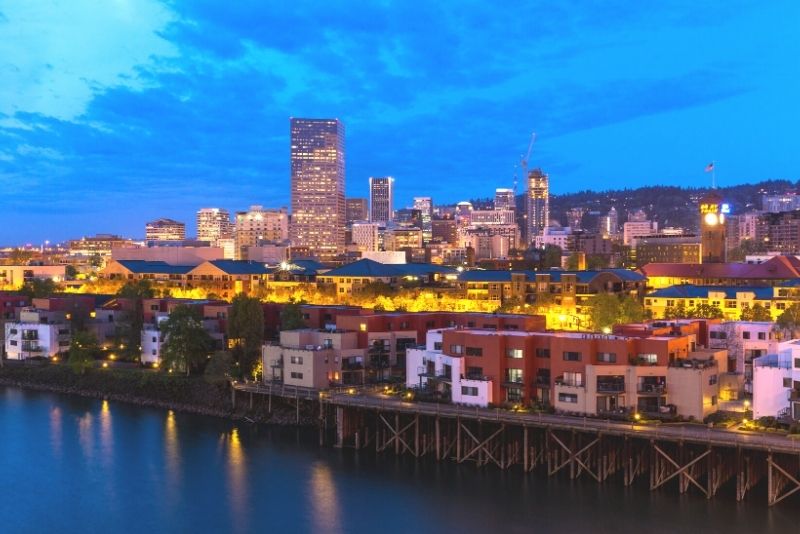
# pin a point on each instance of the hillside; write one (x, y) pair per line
(670, 206)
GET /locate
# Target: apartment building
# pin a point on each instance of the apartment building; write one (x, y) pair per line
(580, 373)
(776, 383)
(744, 341)
(315, 358)
(37, 333)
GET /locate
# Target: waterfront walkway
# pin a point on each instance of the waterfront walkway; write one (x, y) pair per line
(693, 433)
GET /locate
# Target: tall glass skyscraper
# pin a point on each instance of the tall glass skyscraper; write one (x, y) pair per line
(538, 199)
(425, 206)
(381, 199)
(318, 204)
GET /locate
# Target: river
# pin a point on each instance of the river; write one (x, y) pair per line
(70, 464)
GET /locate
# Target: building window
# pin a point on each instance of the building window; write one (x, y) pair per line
(787, 382)
(296, 360)
(456, 349)
(745, 335)
(648, 358)
(298, 376)
(797, 363)
(570, 398)
(713, 400)
(607, 357)
(363, 327)
(437, 345)
(514, 353)
(670, 303)
(469, 391)
(762, 335)
(474, 351)
(712, 380)
(542, 353)
(570, 356)
(514, 376)
(781, 305)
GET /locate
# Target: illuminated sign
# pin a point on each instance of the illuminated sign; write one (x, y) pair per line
(709, 208)
(725, 208)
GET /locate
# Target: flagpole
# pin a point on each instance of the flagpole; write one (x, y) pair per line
(713, 174)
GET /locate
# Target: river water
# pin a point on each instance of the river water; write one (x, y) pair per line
(69, 464)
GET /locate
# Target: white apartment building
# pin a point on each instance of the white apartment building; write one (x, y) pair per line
(37, 334)
(776, 383)
(429, 368)
(744, 341)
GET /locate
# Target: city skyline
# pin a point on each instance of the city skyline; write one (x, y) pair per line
(99, 146)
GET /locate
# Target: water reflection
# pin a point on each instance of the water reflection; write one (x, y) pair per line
(172, 456)
(325, 506)
(56, 431)
(86, 435)
(237, 480)
(106, 434)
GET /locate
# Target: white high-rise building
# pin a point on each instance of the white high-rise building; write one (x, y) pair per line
(213, 224)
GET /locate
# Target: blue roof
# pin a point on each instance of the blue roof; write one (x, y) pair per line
(154, 267)
(689, 291)
(240, 266)
(424, 268)
(583, 277)
(366, 268)
(307, 266)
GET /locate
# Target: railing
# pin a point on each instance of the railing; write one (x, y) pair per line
(568, 383)
(541, 382)
(651, 389)
(610, 387)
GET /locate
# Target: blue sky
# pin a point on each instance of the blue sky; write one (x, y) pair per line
(113, 112)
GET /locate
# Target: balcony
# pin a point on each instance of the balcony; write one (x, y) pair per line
(352, 366)
(651, 389)
(518, 383)
(568, 383)
(541, 382)
(794, 395)
(476, 376)
(611, 386)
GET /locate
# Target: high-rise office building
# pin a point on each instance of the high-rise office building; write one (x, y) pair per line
(213, 224)
(357, 209)
(608, 225)
(318, 205)
(165, 230)
(381, 199)
(425, 206)
(538, 198)
(258, 225)
(504, 199)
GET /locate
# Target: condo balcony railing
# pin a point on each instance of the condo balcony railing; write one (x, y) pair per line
(570, 383)
(610, 387)
(651, 389)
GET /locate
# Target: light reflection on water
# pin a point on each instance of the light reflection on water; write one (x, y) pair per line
(324, 499)
(74, 465)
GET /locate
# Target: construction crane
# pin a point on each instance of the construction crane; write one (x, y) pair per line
(524, 163)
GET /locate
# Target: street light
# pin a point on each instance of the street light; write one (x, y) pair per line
(637, 416)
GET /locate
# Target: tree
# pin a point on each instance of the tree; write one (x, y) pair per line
(550, 256)
(82, 350)
(789, 320)
(596, 261)
(38, 288)
(139, 289)
(292, 316)
(219, 366)
(604, 311)
(246, 330)
(705, 311)
(71, 272)
(631, 310)
(676, 312)
(186, 343)
(756, 312)
(573, 261)
(131, 327)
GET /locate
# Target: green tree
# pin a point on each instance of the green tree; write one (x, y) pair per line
(38, 288)
(573, 262)
(96, 260)
(219, 366)
(756, 312)
(604, 311)
(676, 312)
(186, 343)
(705, 311)
(139, 289)
(789, 320)
(292, 316)
(246, 330)
(131, 326)
(82, 351)
(550, 256)
(631, 310)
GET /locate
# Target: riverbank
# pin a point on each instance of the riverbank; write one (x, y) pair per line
(196, 395)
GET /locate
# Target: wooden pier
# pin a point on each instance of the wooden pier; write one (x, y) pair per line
(689, 458)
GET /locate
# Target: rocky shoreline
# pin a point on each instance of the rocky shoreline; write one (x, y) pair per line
(214, 403)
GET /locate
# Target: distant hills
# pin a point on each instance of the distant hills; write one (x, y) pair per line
(670, 206)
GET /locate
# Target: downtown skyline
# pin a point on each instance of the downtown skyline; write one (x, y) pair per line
(195, 105)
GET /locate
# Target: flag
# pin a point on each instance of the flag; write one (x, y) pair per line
(710, 167)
